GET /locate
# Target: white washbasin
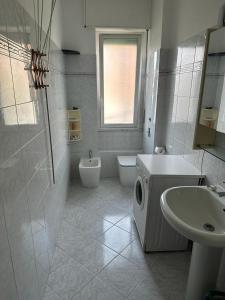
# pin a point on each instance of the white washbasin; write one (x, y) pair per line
(189, 209)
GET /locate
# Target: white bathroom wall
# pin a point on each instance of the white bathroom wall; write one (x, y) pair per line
(30, 204)
(100, 13)
(82, 92)
(156, 23)
(56, 32)
(127, 13)
(180, 76)
(151, 94)
(81, 77)
(180, 66)
(183, 19)
(171, 23)
(151, 88)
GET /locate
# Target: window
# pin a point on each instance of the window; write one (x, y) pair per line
(119, 69)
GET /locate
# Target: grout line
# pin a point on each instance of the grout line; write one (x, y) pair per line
(96, 240)
(108, 283)
(131, 233)
(22, 147)
(10, 251)
(83, 266)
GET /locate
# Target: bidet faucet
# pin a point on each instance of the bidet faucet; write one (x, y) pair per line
(90, 154)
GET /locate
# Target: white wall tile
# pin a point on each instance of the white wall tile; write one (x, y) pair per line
(27, 233)
(82, 92)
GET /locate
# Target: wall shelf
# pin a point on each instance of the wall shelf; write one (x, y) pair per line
(74, 125)
(71, 52)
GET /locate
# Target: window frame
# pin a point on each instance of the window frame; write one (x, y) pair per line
(139, 35)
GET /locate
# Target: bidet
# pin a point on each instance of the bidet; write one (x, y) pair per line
(89, 169)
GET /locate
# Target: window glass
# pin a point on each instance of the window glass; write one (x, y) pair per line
(119, 80)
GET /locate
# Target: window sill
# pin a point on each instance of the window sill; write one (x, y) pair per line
(119, 129)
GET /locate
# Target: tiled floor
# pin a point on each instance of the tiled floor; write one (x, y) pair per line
(98, 255)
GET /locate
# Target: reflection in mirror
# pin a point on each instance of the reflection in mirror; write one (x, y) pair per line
(217, 50)
(23, 114)
(16, 96)
(213, 101)
(26, 113)
(9, 116)
(6, 84)
(20, 81)
(15, 87)
(211, 128)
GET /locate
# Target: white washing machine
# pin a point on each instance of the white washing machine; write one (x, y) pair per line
(155, 174)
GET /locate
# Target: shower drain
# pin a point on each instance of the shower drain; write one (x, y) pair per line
(209, 227)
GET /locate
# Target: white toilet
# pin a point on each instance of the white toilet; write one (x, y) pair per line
(127, 170)
(89, 169)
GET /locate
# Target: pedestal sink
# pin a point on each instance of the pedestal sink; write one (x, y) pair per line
(198, 213)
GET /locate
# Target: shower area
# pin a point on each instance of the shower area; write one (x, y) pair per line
(33, 154)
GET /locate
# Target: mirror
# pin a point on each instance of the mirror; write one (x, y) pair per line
(211, 126)
(212, 113)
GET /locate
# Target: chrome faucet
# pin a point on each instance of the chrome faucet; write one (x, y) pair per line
(221, 194)
(213, 188)
(90, 154)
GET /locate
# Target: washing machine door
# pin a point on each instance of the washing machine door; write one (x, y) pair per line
(139, 192)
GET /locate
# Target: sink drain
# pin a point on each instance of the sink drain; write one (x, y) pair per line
(208, 227)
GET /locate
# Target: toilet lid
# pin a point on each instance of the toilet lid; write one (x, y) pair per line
(127, 161)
